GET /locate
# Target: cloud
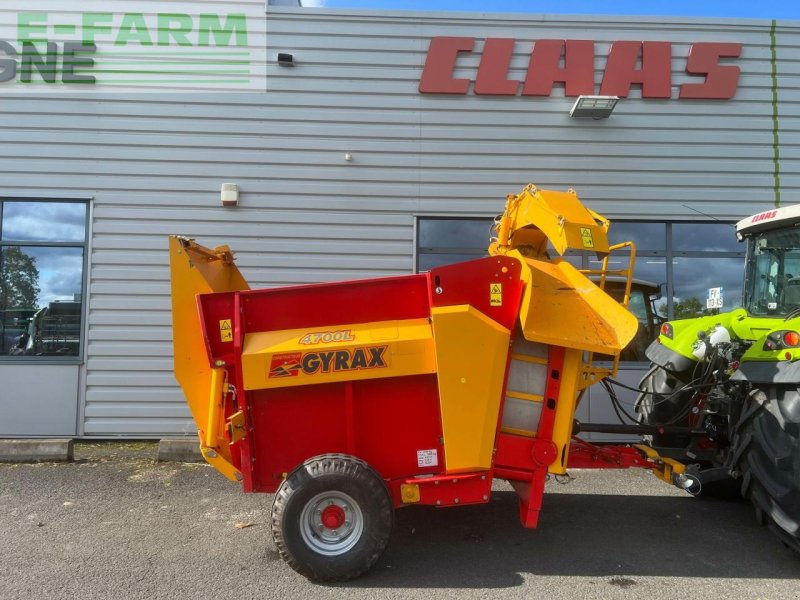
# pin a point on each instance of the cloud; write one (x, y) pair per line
(44, 221)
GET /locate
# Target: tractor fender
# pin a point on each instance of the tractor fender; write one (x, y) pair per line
(667, 358)
(768, 372)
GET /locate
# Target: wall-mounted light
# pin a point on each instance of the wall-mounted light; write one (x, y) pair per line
(229, 194)
(593, 107)
(285, 59)
(348, 156)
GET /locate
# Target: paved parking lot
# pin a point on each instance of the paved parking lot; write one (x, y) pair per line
(116, 524)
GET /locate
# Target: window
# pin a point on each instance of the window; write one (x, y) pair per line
(686, 258)
(42, 264)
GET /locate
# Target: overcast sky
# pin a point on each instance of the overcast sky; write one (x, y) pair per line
(770, 9)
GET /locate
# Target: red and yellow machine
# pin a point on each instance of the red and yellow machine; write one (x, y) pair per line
(349, 400)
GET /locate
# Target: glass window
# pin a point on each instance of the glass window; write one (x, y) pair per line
(700, 256)
(694, 277)
(646, 236)
(455, 233)
(44, 222)
(708, 237)
(42, 256)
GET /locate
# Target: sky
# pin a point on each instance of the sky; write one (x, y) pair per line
(768, 9)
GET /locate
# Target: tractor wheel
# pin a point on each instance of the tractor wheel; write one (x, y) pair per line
(768, 447)
(332, 518)
(659, 404)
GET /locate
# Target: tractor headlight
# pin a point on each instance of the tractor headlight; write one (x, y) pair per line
(779, 340)
(666, 330)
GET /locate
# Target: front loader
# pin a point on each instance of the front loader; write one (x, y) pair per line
(350, 400)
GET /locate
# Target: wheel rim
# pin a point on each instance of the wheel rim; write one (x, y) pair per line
(331, 523)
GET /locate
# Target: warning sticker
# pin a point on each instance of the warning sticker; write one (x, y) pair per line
(495, 294)
(586, 237)
(225, 330)
(428, 458)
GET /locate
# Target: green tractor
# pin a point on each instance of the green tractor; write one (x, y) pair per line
(723, 390)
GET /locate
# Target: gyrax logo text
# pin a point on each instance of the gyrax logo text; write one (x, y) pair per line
(291, 364)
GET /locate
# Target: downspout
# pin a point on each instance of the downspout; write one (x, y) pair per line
(776, 164)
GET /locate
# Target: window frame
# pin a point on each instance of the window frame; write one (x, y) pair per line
(84, 246)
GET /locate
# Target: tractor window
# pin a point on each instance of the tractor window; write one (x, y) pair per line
(773, 272)
(42, 257)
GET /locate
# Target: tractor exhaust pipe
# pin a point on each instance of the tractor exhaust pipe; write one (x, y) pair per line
(688, 482)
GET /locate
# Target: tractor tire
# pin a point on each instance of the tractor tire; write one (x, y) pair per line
(658, 404)
(655, 406)
(767, 447)
(332, 518)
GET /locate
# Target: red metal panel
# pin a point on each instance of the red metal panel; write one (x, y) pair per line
(471, 283)
(448, 490)
(330, 304)
(555, 366)
(523, 453)
(391, 420)
(583, 455)
(214, 309)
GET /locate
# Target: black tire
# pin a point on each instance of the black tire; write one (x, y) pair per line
(768, 459)
(332, 518)
(660, 404)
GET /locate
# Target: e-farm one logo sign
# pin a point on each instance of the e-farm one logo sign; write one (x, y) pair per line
(129, 45)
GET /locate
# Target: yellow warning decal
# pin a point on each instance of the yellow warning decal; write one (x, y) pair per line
(225, 330)
(495, 294)
(586, 237)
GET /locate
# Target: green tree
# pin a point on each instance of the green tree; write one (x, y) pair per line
(686, 309)
(19, 279)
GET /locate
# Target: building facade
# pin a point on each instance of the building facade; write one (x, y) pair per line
(386, 147)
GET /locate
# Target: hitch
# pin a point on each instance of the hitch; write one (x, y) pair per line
(578, 427)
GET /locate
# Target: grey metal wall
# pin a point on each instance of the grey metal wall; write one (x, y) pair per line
(154, 165)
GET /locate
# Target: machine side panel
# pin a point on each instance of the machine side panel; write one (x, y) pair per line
(392, 423)
(471, 358)
(329, 304)
(493, 285)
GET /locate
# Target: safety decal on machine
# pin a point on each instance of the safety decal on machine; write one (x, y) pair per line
(225, 330)
(586, 237)
(428, 458)
(495, 294)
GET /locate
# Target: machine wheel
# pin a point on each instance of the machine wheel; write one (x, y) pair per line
(332, 518)
(657, 406)
(768, 447)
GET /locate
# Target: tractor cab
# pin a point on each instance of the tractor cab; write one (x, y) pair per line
(772, 271)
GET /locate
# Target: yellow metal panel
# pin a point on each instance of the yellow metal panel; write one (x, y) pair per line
(220, 463)
(293, 357)
(562, 307)
(198, 270)
(535, 216)
(471, 353)
(565, 410)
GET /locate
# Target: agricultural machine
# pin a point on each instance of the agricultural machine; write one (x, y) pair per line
(735, 378)
(350, 400)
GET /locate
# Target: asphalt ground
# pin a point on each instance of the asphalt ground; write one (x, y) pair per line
(117, 524)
